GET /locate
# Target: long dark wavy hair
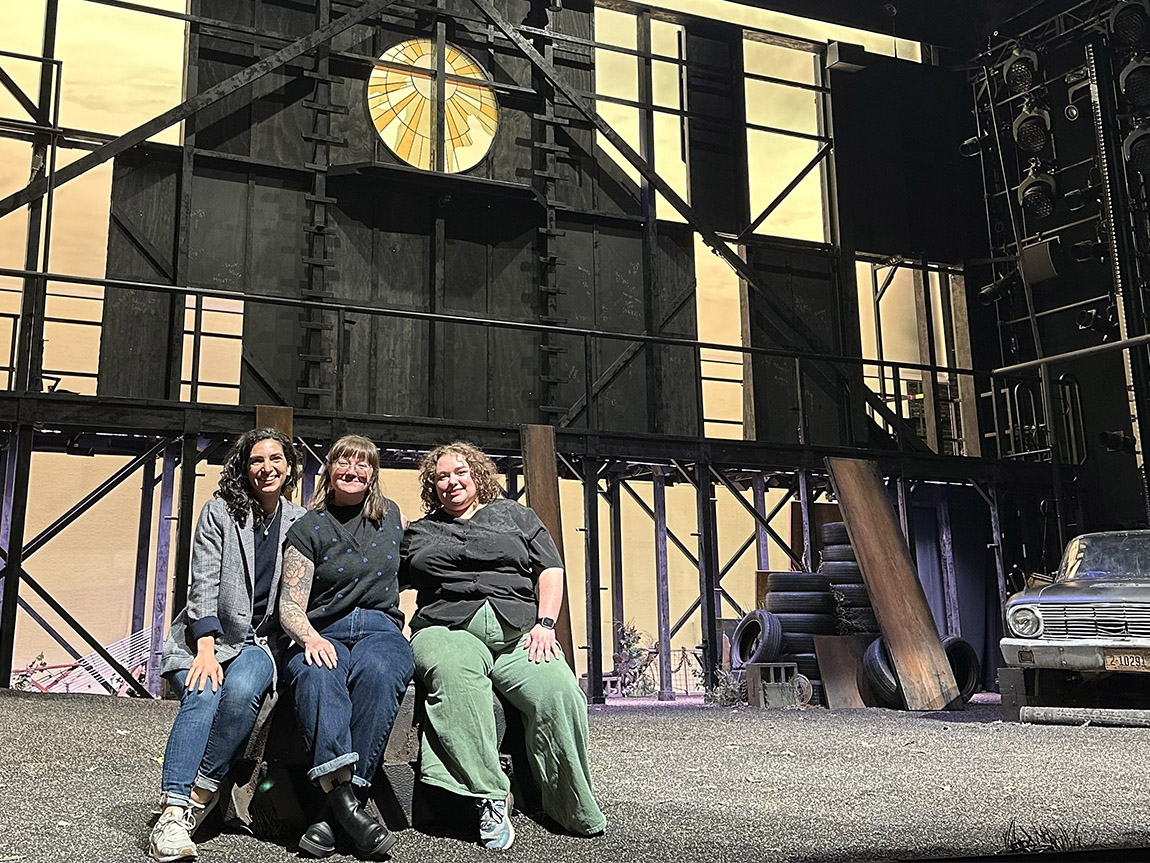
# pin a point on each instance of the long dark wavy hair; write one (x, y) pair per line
(236, 491)
(353, 447)
(483, 471)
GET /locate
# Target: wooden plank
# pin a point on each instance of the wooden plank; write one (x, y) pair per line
(541, 475)
(896, 593)
(840, 666)
(275, 417)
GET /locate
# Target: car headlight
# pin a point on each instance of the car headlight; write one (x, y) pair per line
(1024, 621)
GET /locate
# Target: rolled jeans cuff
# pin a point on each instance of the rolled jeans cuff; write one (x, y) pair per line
(206, 783)
(332, 765)
(171, 798)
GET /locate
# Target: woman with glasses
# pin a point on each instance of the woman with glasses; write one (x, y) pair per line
(349, 664)
(217, 657)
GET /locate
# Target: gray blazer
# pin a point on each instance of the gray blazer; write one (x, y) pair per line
(221, 585)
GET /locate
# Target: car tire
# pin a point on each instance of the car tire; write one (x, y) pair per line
(797, 642)
(851, 595)
(757, 638)
(837, 553)
(807, 664)
(781, 582)
(880, 673)
(841, 571)
(834, 533)
(965, 665)
(811, 624)
(808, 602)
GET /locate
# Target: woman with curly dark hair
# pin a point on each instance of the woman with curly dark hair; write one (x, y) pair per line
(490, 585)
(217, 656)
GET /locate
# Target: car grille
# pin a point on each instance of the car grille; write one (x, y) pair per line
(1094, 620)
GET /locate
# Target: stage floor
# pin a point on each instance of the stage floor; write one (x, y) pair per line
(688, 783)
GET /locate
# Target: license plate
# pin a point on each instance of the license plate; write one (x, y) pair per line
(1126, 660)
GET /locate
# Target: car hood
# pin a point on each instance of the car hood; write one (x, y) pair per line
(1087, 590)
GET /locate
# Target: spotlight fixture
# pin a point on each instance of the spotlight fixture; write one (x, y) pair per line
(1117, 441)
(1134, 82)
(999, 288)
(1036, 192)
(1130, 21)
(1083, 251)
(974, 145)
(1136, 150)
(1020, 70)
(1032, 128)
(1104, 322)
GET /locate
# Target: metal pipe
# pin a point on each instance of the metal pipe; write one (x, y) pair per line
(662, 591)
(592, 581)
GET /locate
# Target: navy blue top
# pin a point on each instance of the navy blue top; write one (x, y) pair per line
(266, 535)
(350, 572)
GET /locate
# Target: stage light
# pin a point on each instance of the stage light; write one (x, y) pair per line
(1104, 322)
(1037, 193)
(1117, 441)
(999, 288)
(1020, 70)
(1134, 82)
(1136, 150)
(1083, 251)
(1130, 21)
(974, 145)
(1032, 128)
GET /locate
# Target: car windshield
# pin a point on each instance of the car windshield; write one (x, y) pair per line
(1121, 555)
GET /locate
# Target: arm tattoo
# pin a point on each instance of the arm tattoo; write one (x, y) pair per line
(296, 590)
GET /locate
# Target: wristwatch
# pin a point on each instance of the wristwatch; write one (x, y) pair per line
(546, 622)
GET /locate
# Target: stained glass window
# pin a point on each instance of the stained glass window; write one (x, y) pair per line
(401, 99)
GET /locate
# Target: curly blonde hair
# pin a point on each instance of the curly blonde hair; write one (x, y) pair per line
(483, 471)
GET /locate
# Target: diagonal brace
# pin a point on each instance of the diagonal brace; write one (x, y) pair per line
(188, 107)
(670, 534)
(782, 196)
(758, 516)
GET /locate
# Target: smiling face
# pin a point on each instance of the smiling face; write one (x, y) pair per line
(454, 485)
(267, 470)
(350, 475)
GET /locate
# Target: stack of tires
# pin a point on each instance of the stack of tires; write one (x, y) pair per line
(880, 673)
(853, 608)
(804, 607)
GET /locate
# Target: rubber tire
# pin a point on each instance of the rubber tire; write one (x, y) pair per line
(807, 602)
(880, 673)
(965, 665)
(807, 663)
(812, 624)
(841, 571)
(851, 595)
(779, 582)
(757, 638)
(818, 699)
(834, 533)
(797, 642)
(837, 553)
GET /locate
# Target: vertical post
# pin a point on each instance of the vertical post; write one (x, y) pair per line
(708, 572)
(927, 355)
(762, 538)
(614, 507)
(808, 521)
(17, 470)
(160, 581)
(593, 581)
(143, 546)
(652, 311)
(662, 590)
(185, 521)
(955, 290)
(906, 520)
(512, 482)
(946, 557)
(311, 466)
(996, 540)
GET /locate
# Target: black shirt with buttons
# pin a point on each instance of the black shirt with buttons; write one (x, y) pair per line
(356, 562)
(457, 564)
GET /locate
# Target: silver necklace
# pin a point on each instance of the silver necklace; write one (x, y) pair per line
(269, 519)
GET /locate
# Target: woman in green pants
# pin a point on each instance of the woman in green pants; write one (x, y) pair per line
(490, 585)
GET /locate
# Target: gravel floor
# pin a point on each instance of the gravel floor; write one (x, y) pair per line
(688, 783)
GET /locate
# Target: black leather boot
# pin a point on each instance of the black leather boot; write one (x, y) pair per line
(319, 839)
(370, 838)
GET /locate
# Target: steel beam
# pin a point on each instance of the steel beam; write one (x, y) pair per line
(17, 469)
(143, 545)
(782, 196)
(38, 188)
(185, 522)
(805, 501)
(662, 590)
(618, 616)
(160, 580)
(708, 571)
(593, 581)
(762, 538)
(755, 514)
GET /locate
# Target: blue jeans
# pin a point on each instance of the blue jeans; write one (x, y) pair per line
(346, 713)
(211, 726)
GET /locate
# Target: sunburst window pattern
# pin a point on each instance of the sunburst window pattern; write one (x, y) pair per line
(401, 99)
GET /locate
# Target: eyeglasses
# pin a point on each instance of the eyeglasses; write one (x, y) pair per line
(360, 466)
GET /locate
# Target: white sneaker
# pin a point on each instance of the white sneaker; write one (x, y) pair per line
(171, 838)
(495, 830)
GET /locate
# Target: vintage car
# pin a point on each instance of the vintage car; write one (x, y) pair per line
(1087, 631)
